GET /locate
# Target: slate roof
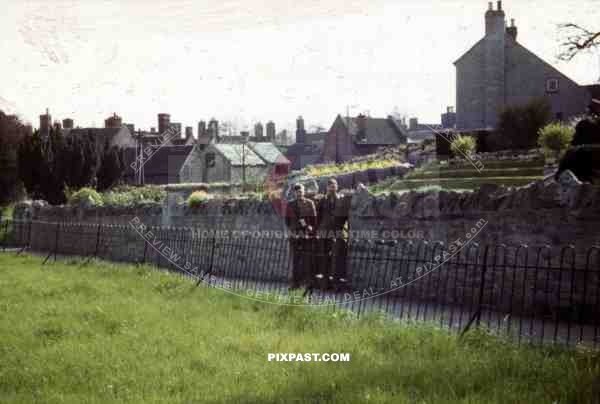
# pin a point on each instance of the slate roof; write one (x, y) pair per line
(233, 153)
(157, 138)
(107, 133)
(379, 131)
(268, 152)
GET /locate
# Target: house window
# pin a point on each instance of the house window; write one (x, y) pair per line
(210, 160)
(552, 85)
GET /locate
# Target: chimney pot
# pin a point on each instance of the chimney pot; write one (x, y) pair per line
(499, 5)
(490, 7)
(512, 22)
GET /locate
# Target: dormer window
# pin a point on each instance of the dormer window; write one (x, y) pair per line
(552, 85)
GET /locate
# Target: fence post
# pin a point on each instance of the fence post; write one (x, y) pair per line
(97, 241)
(145, 250)
(27, 243)
(477, 315)
(212, 258)
(55, 245)
(56, 241)
(482, 285)
(29, 233)
(4, 236)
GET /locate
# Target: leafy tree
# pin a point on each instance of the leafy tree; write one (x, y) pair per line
(518, 125)
(12, 134)
(83, 161)
(111, 168)
(29, 163)
(55, 166)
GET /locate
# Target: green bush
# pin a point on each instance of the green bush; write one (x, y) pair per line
(86, 196)
(126, 195)
(319, 170)
(197, 198)
(464, 145)
(554, 138)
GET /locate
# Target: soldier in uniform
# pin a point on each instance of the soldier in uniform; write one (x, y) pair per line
(332, 218)
(301, 221)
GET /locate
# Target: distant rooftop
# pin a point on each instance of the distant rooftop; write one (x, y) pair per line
(269, 152)
(237, 154)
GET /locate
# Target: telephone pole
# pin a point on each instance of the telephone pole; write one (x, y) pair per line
(244, 140)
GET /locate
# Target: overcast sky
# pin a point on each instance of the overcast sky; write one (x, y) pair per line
(250, 60)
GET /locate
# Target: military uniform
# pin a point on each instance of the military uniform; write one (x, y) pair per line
(301, 221)
(332, 217)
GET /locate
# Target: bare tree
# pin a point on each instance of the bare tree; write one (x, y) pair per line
(577, 40)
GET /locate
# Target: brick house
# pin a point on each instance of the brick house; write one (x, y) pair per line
(361, 135)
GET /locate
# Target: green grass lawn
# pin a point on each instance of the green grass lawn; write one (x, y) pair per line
(465, 176)
(318, 170)
(472, 172)
(457, 184)
(108, 333)
(487, 164)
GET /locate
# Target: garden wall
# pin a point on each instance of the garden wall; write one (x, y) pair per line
(391, 236)
(543, 213)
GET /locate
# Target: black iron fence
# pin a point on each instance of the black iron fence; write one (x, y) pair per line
(537, 294)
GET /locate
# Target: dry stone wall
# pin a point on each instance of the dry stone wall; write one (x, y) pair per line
(391, 236)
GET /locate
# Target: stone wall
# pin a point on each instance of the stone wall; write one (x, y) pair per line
(517, 280)
(543, 213)
(514, 240)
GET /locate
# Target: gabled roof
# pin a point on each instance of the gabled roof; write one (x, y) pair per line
(268, 152)
(564, 76)
(471, 49)
(378, 131)
(238, 154)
